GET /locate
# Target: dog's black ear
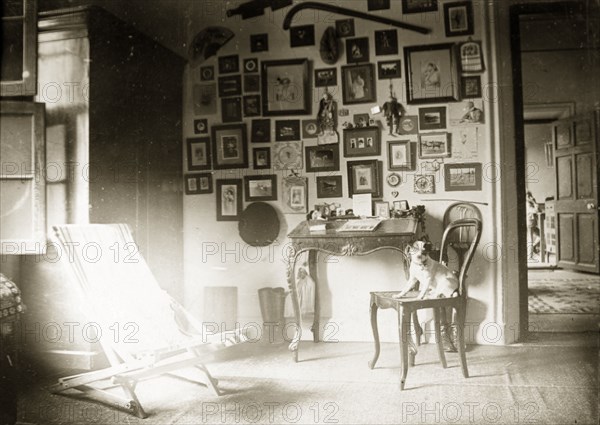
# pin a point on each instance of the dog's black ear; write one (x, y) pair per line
(428, 246)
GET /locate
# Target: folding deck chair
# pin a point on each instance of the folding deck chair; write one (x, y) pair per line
(120, 290)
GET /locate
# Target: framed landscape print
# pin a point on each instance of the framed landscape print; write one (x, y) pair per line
(197, 184)
(325, 77)
(362, 141)
(433, 118)
(260, 188)
(261, 158)
(434, 145)
(458, 18)
(294, 193)
(322, 158)
(399, 155)
(365, 177)
(229, 199)
(358, 84)
(329, 187)
(198, 153)
(287, 130)
(431, 74)
(465, 176)
(389, 69)
(285, 87)
(230, 146)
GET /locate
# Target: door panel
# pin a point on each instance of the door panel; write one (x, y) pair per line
(586, 246)
(564, 177)
(585, 174)
(583, 131)
(566, 231)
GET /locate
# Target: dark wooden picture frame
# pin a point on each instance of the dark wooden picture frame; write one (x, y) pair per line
(458, 18)
(229, 64)
(260, 130)
(251, 83)
(389, 69)
(432, 118)
(386, 42)
(261, 158)
(344, 27)
(357, 50)
(302, 35)
(419, 6)
(251, 105)
(230, 85)
(310, 129)
(470, 87)
(365, 177)
(229, 199)
(201, 126)
(325, 77)
(434, 145)
(461, 177)
(358, 84)
(207, 73)
(378, 4)
(260, 188)
(231, 109)
(286, 87)
(198, 153)
(251, 65)
(400, 155)
(230, 146)
(287, 130)
(362, 141)
(198, 184)
(322, 158)
(259, 42)
(329, 187)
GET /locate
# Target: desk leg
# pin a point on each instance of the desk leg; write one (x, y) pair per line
(403, 331)
(312, 267)
(291, 278)
(373, 309)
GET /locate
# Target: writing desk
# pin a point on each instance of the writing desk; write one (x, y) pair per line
(393, 234)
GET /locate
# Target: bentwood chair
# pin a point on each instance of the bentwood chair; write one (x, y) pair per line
(409, 304)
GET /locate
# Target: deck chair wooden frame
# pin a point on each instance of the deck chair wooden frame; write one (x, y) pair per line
(186, 345)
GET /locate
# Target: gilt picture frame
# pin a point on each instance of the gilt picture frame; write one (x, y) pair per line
(285, 87)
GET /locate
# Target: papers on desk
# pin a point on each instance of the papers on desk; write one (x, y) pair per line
(362, 205)
(361, 225)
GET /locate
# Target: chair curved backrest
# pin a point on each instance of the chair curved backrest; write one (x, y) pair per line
(473, 227)
(458, 211)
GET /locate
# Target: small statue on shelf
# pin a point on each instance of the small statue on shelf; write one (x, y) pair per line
(392, 110)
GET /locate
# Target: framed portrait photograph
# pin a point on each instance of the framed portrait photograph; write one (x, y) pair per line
(261, 158)
(381, 209)
(260, 188)
(259, 43)
(287, 130)
(251, 83)
(458, 18)
(285, 87)
(386, 42)
(294, 193)
(302, 35)
(230, 146)
(344, 27)
(325, 77)
(365, 177)
(230, 85)
(251, 65)
(400, 155)
(201, 126)
(362, 141)
(389, 69)
(229, 64)
(287, 156)
(465, 176)
(231, 109)
(322, 158)
(434, 145)
(424, 184)
(470, 87)
(431, 74)
(358, 84)
(433, 118)
(198, 184)
(251, 105)
(419, 6)
(198, 153)
(360, 120)
(229, 199)
(260, 130)
(329, 187)
(207, 73)
(357, 50)
(309, 129)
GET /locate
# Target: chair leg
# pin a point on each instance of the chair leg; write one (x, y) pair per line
(438, 336)
(210, 382)
(373, 309)
(403, 321)
(460, 336)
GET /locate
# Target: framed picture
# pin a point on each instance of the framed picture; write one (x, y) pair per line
(287, 130)
(431, 74)
(230, 85)
(401, 205)
(386, 42)
(309, 129)
(358, 84)
(294, 194)
(229, 64)
(229, 199)
(471, 56)
(252, 105)
(205, 99)
(433, 118)
(260, 131)
(287, 156)
(362, 141)
(400, 155)
(344, 28)
(251, 83)
(357, 50)
(470, 87)
(389, 69)
(364, 177)
(198, 153)
(381, 209)
(378, 4)
(458, 18)
(229, 145)
(361, 120)
(424, 184)
(302, 35)
(201, 126)
(251, 65)
(465, 176)
(419, 6)
(329, 187)
(207, 73)
(259, 43)
(260, 188)
(434, 145)
(231, 109)
(409, 124)
(322, 158)
(261, 158)
(325, 77)
(197, 184)
(285, 89)
(394, 179)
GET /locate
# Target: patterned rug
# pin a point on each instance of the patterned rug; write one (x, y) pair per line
(580, 295)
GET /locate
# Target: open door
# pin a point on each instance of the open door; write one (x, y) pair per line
(576, 206)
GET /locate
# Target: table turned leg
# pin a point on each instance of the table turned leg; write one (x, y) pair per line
(373, 310)
(403, 331)
(314, 274)
(294, 345)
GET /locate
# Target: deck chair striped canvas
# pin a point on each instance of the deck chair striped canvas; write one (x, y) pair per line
(120, 290)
